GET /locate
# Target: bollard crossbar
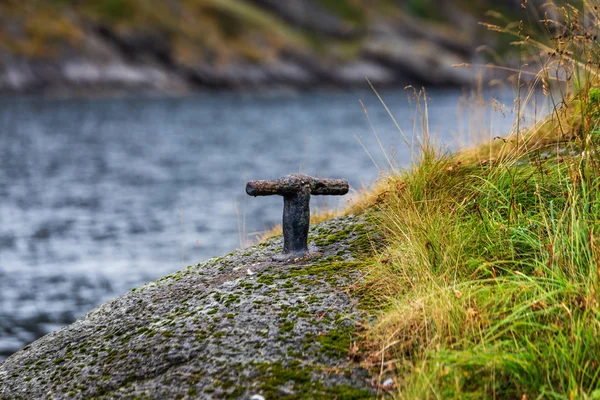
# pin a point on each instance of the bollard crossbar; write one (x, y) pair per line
(296, 190)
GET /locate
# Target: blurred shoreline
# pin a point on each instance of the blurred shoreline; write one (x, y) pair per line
(82, 48)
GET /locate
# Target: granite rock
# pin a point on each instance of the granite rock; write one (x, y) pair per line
(231, 327)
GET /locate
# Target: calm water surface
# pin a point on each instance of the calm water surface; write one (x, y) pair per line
(101, 195)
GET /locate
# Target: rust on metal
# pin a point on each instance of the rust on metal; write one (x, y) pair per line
(296, 190)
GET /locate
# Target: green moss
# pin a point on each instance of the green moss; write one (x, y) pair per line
(336, 343)
(231, 298)
(288, 284)
(266, 279)
(246, 285)
(336, 269)
(277, 375)
(358, 235)
(286, 327)
(298, 278)
(263, 333)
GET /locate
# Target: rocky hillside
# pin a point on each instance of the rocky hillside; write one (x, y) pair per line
(180, 45)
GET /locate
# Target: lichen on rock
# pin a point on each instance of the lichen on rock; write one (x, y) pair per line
(230, 327)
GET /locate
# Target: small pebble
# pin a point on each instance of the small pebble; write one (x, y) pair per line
(388, 383)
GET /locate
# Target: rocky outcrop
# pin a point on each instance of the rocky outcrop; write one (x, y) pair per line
(421, 60)
(97, 64)
(310, 16)
(233, 326)
(298, 43)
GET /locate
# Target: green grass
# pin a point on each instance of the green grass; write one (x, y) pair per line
(490, 281)
(489, 286)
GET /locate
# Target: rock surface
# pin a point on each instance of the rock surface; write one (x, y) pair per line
(231, 327)
(251, 44)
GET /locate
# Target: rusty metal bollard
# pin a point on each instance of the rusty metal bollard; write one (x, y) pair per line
(296, 190)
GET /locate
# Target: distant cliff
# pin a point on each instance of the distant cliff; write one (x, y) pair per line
(181, 45)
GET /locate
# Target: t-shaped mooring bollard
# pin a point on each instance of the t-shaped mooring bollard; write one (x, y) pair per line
(296, 190)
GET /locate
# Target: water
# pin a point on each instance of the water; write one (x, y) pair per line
(102, 195)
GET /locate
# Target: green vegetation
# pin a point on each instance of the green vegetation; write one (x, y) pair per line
(208, 31)
(196, 30)
(488, 282)
(277, 375)
(489, 285)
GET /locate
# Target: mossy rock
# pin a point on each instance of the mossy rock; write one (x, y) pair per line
(230, 327)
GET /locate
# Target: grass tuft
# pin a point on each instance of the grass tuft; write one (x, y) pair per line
(489, 284)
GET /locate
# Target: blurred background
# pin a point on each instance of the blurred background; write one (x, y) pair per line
(128, 128)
